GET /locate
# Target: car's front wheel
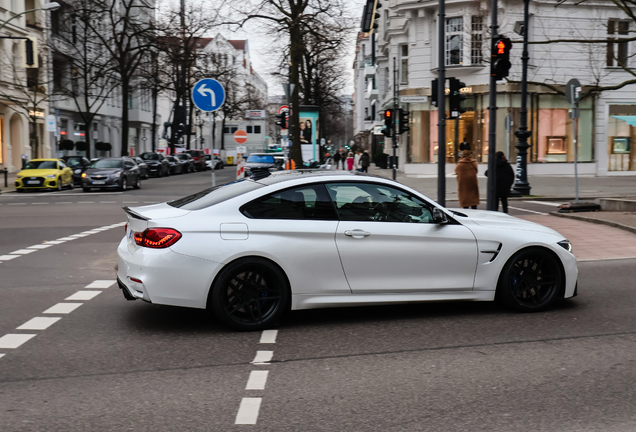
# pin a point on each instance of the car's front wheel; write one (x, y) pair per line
(137, 184)
(531, 280)
(249, 294)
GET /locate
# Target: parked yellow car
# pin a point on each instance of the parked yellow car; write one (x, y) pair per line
(44, 174)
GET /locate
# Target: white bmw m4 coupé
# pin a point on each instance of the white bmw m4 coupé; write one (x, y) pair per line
(251, 249)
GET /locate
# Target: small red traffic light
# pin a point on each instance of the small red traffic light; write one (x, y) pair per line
(387, 113)
(501, 47)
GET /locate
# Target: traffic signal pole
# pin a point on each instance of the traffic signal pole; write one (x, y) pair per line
(492, 122)
(395, 118)
(441, 106)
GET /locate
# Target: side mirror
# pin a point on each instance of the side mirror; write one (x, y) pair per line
(439, 217)
(128, 166)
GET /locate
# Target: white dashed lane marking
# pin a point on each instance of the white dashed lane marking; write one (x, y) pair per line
(55, 242)
(8, 257)
(269, 336)
(83, 295)
(16, 204)
(101, 284)
(40, 203)
(263, 357)
(257, 380)
(62, 308)
(11, 341)
(40, 246)
(248, 411)
(38, 323)
(66, 238)
(1, 355)
(22, 251)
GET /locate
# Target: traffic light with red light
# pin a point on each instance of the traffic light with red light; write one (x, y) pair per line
(500, 57)
(388, 123)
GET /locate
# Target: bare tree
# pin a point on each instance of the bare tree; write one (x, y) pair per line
(81, 67)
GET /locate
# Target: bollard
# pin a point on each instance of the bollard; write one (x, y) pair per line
(6, 176)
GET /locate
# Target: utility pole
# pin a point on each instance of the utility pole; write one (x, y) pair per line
(441, 106)
(492, 122)
(395, 111)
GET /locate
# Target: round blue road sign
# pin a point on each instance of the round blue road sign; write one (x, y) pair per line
(208, 95)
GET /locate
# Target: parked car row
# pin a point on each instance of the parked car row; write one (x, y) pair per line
(107, 173)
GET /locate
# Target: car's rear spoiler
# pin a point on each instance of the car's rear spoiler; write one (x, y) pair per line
(134, 214)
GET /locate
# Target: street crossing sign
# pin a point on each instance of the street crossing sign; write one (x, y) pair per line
(208, 95)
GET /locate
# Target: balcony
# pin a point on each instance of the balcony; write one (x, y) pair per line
(371, 93)
(369, 71)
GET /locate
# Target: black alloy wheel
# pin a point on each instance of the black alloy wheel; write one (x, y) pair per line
(249, 294)
(531, 280)
(137, 184)
(123, 186)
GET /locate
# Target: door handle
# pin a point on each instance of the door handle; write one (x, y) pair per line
(357, 233)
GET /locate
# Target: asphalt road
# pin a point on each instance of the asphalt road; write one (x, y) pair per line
(116, 365)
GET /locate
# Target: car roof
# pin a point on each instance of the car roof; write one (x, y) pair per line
(283, 176)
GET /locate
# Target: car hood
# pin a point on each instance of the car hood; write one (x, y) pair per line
(37, 172)
(497, 220)
(102, 171)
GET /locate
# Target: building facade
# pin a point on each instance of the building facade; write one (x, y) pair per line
(407, 37)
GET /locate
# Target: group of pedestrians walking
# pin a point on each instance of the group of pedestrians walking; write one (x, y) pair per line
(359, 161)
(467, 186)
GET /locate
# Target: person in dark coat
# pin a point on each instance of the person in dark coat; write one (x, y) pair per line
(467, 187)
(336, 159)
(465, 145)
(365, 161)
(504, 180)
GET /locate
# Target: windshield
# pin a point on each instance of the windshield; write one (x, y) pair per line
(182, 156)
(150, 156)
(41, 165)
(260, 158)
(107, 163)
(73, 162)
(215, 195)
(208, 157)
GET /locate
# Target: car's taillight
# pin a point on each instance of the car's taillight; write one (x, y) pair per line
(126, 228)
(157, 238)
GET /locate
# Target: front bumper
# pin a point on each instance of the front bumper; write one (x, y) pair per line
(42, 183)
(107, 183)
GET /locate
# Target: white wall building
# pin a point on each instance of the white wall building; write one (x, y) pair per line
(408, 32)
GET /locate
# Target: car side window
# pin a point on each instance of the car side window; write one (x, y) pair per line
(378, 202)
(309, 202)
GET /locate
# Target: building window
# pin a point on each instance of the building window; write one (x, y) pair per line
(404, 64)
(257, 129)
(454, 41)
(477, 28)
(230, 129)
(617, 51)
(249, 129)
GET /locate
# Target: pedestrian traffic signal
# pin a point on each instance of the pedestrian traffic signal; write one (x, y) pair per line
(434, 90)
(500, 57)
(456, 97)
(404, 121)
(388, 123)
(282, 120)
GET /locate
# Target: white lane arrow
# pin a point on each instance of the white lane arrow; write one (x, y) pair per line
(203, 90)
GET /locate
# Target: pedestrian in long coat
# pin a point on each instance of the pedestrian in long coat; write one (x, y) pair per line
(467, 186)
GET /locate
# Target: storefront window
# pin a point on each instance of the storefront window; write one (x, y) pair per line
(620, 134)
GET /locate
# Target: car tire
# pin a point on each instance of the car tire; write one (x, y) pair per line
(59, 184)
(531, 280)
(123, 186)
(249, 294)
(86, 189)
(71, 185)
(137, 183)
(19, 190)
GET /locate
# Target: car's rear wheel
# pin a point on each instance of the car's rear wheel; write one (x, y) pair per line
(59, 183)
(123, 186)
(531, 280)
(250, 294)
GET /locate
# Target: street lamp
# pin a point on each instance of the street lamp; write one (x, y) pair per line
(521, 186)
(47, 7)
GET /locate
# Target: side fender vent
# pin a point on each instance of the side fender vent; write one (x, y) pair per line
(493, 252)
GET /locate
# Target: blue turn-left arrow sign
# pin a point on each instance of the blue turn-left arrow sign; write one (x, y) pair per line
(208, 95)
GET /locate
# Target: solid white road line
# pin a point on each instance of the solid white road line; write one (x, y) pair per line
(101, 284)
(248, 411)
(553, 204)
(257, 380)
(39, 323)
(11, 341)
(40, 246)
(22, 251)
(8, 257)
(83, 295)
(263, 357)
(269, 336)
(526, 210)
(62, 308)
(54, 242)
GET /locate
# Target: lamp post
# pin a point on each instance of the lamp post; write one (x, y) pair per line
(521, 186)
(47, 7)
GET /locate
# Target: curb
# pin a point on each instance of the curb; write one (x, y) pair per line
(596, 221)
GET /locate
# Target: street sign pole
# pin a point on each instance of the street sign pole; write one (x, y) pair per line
(212, 156)
(491, 201)
(209, 95)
